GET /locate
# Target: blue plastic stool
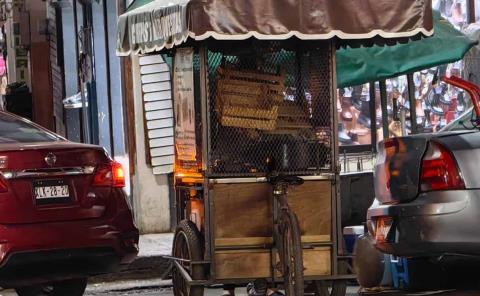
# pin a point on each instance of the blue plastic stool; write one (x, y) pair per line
(399, 268)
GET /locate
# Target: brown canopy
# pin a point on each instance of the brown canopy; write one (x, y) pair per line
(166, 23)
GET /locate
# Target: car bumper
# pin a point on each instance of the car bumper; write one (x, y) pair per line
(61, 250)
(436, 223)
(28, 268)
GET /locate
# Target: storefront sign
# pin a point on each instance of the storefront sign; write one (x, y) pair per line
(150, 27)
(184, 105)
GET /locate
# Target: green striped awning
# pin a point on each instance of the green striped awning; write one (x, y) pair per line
(356, 66)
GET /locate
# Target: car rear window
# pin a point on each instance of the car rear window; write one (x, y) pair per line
(15, 130)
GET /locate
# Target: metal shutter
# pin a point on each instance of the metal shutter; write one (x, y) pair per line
(158, 107)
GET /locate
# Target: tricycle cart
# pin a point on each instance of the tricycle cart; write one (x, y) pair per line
(256, 162)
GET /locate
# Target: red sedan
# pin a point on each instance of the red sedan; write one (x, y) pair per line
(63, 211)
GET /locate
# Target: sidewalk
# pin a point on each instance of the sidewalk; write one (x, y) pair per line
(149, 263)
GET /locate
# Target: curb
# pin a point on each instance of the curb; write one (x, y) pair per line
(140, 268)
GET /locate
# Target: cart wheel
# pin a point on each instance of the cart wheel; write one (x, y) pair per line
(187, 245)
(291, 254)
(338, 287)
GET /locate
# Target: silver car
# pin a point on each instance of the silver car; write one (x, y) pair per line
(427, 200)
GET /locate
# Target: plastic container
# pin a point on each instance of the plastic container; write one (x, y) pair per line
(350, 235)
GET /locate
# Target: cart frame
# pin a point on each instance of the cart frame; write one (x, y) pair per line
(204, 183)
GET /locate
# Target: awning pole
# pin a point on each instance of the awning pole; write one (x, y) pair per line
(413, 103)
(373, 115)
(383, 101)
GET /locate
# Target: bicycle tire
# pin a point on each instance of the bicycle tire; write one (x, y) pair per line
(291, 254)
(188, 244)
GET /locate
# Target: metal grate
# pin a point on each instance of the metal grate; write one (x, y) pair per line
(270, 102)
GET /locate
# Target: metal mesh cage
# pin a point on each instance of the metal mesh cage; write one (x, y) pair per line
(270, 101)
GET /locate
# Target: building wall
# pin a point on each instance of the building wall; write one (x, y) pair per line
(56, 65)
(151, 192)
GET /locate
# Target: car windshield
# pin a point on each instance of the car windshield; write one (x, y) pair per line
(16, 130)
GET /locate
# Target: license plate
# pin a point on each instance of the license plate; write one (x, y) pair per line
(45, 191)
(384, 225)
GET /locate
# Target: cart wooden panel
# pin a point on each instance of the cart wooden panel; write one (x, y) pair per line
(240, 264)
(242, 219)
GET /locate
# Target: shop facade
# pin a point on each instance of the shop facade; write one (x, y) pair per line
(64, 72)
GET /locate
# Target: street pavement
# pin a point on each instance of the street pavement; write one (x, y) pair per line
(157, 287)
(131, 282)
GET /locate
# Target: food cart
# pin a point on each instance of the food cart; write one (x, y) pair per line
(256, 160)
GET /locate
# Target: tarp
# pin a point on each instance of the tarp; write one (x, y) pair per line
(156, 24)
(356, 66)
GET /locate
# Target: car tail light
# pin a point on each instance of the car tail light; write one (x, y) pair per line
(439, 170)
(111, 175)
(3, 185)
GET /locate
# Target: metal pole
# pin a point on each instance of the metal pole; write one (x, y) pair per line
(471, 11)
(413, 102)
(373, 116)
(383, 101)
(402, 121)
(336, 202)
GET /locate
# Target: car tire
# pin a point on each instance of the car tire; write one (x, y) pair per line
(75, 287)
(369, 263)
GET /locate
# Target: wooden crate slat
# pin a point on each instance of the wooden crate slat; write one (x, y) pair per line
(291, 111)
(248, 75)
(281, 124)
(243, 86)
(248, 123)
(234, 111)
(242, 100)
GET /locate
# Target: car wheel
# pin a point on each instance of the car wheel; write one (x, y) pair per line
(74, 287)
(368, 263)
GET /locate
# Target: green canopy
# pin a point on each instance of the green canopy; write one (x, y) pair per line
(138, 3)
(356, 66)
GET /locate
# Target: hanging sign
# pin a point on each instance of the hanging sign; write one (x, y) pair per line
(184, 105)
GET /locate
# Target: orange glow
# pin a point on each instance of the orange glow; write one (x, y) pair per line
(189, 175)
(197, 212)
(118, 175)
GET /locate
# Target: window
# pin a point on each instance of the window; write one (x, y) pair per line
(398, 106)
(16, 130)
(477, 10)
(353, 107)
(453, 10)
(438, 103)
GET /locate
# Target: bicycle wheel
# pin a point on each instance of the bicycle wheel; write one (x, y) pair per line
(291, 254)
(187, 245)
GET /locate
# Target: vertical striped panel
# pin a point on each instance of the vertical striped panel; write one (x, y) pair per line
(157, 97)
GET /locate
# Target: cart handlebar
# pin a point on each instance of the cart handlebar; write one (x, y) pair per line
(285, 179)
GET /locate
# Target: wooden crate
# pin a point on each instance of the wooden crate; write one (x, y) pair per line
(243, 212)
(291, 116)
(252, 264)
(242, 216)
(248, 99)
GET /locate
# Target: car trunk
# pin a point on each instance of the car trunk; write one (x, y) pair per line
(397, 170)
(51, 182)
